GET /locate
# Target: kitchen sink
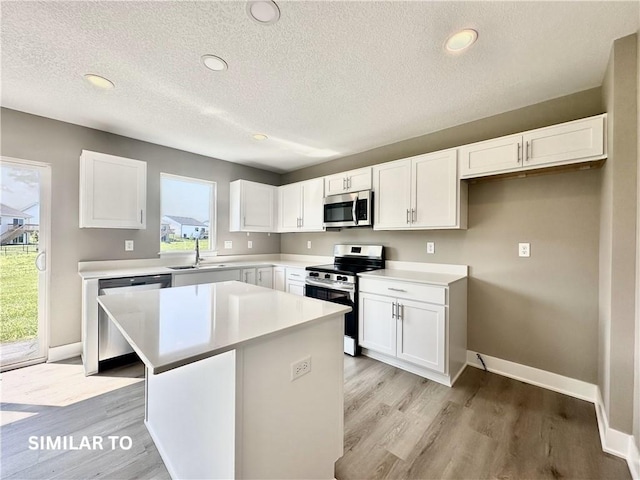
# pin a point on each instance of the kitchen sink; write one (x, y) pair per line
(193, 267)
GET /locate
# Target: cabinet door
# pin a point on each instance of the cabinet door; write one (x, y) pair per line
(258, 207)
(376, 325)
(568, 142)
(493, 156)
(392, 199)
(297, 288)
(113, 191)
(335, 184)
(421, 334)
(434, 194)
(264, 277)
(279, 282)
(358, 180)
(312, 205)
(249, 275)
(290, 198)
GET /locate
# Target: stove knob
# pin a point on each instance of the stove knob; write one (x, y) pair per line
(313, 274)
(327, 275)
(341, 278)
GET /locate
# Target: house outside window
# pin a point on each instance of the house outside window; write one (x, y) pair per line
(187, 214)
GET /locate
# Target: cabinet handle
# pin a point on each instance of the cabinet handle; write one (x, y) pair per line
(400, 311)
(414, 215)
(393, 310)
(301, 222)
(519, 148)
(348, 182)
(395, 289)
(260, 276)
(527, 153)
(408, 220)
(294, 275)
(344, 183)
(140, 216)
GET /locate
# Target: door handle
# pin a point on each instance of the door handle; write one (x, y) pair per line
(353, 211)
(40, 256)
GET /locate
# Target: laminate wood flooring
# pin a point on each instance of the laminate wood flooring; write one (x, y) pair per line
(401, 426)
(397, 426)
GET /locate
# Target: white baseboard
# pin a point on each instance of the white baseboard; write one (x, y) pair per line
(634, 460)
(613, 441)
(64, 352)
(535, 376)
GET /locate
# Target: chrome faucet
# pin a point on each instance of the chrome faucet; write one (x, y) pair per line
(197, 254)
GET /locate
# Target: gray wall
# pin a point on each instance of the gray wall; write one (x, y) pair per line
(541, 311)
(636, 423)
(41, 139)
(618, 237)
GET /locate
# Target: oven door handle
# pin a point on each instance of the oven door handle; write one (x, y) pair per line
(328, 286)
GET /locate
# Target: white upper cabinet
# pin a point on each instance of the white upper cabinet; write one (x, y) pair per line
(392, 198)
(571, 142)
(113, 191)
(252, 207)
(421, 192)
(301, 206)
(346, 182)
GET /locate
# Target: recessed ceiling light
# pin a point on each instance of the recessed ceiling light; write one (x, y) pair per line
(260, 136)
(461, 40)
(214, 63)
(265, 12)
(98, 81)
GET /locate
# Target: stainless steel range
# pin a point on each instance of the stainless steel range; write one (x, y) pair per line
(338, 283)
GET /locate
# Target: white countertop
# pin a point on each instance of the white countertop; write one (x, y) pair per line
(128, 271)
(442, 279)
(172, 327)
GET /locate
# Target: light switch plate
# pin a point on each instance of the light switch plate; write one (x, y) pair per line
(250, 244)
(524, 249)
(431, 247)
(128, 245)
(228, 244)
(308, 243)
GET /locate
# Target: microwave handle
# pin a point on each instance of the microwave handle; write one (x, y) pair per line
(353, 211)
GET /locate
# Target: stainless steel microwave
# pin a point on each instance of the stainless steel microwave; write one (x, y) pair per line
(349, 209)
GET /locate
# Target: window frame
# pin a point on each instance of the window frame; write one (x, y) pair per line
(213, 215)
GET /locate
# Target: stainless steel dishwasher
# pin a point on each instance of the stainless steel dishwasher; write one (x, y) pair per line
(113, 348)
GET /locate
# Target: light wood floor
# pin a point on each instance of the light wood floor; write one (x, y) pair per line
(397, 425)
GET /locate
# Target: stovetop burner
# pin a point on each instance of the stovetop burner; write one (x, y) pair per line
(341, 269)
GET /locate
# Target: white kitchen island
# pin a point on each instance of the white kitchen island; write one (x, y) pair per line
(221, 401)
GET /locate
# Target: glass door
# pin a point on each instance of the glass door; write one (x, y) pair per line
(24, 241)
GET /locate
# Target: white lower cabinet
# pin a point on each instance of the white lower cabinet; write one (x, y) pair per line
(248, 275)
(279, 279)
(415, 326)
(264, 277)
(295, 281)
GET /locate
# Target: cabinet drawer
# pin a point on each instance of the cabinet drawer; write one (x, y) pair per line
(295, 274)
(412, 291)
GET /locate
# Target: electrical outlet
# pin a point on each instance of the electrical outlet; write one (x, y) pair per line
(524, 249)
(128, 245)
(300, 368)
(228, 244)
(308, 243)
(431, 247)
(250, 244)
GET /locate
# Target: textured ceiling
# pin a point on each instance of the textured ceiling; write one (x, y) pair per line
(331, 78)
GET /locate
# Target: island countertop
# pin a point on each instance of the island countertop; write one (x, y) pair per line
(172, 327)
